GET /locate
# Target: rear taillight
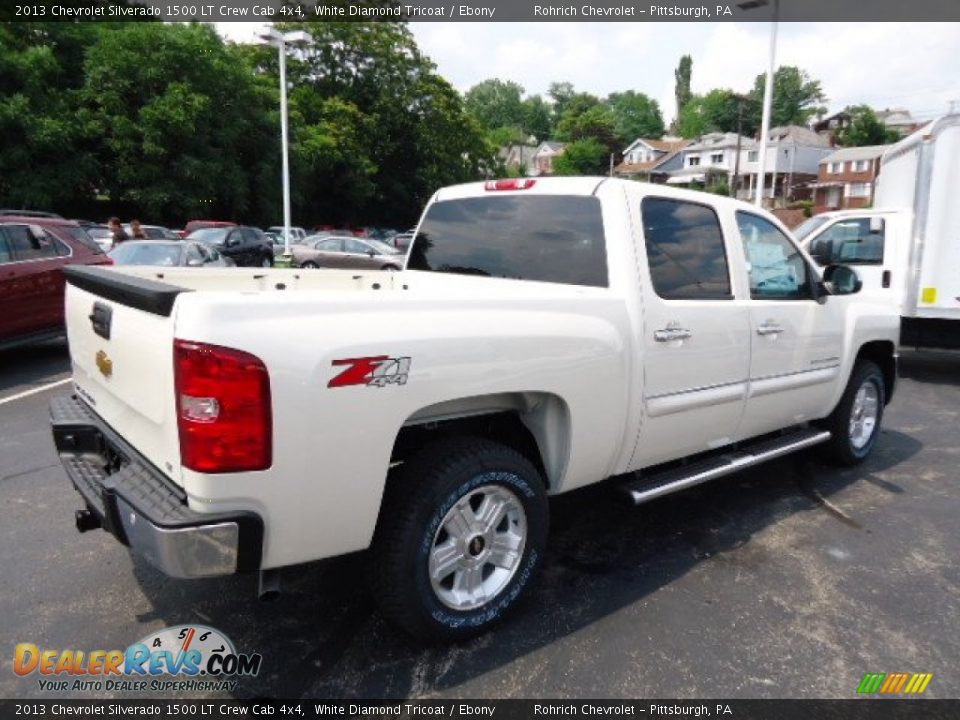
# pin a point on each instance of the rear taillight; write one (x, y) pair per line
(223, 408)
(511, 184)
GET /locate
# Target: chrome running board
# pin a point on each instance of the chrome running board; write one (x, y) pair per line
(668, 481)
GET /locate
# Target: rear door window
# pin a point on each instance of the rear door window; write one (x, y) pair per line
(547, 238)
(5, 254)
(685, 250)
(33, 243)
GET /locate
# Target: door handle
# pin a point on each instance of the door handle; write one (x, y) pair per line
(670, 334)
(769, 328)
(885, 279)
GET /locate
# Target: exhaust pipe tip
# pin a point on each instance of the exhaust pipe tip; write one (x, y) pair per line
(86, 520)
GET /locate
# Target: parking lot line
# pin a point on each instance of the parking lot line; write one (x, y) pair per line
(34, 391)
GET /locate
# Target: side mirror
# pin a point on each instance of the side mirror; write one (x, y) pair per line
(876, 225)
(371, 253)
(841, 280)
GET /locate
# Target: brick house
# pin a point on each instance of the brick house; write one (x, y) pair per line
(847, 178)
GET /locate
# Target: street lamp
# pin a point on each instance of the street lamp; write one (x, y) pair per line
(767, 93)
(298, 38)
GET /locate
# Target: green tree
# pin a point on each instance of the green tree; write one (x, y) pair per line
(582, 157)
(715, 112)
(561, 93)
(635, 115)
(865, 128)
(597, 123)
(796, 98)
(41, 75)
(174, 138)
(416, 132)
(681, 89)
(536, 118)
(496, 103)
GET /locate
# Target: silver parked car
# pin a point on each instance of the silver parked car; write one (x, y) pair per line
(347, 252)
(165, 253)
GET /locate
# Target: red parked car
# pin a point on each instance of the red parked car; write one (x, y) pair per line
(33, 251)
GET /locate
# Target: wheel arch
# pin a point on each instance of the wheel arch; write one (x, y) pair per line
(884, 354)
(535, 424)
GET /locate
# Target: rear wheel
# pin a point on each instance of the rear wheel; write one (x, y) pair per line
(390, 268)
(461, 534)
(309, 265)
(854, 424)
(266, 262)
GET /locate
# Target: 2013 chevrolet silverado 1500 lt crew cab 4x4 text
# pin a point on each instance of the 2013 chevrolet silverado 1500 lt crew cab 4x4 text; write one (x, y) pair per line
(546, 334)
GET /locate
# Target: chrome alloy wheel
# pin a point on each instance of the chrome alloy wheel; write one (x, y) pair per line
(477, 547)
(863, 414)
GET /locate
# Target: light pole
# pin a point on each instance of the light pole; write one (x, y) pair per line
(767, 93)
(271, 36)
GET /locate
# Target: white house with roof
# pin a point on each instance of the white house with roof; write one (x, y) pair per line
(792, 160)
(543, 157)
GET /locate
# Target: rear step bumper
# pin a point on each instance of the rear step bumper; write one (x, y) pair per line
(672, 480)
(134, 502)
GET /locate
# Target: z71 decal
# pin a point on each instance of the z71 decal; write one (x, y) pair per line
(378, 371)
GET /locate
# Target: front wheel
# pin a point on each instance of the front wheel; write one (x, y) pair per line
(854, 424)
(461, 535)
(266, 262)
(390, 268)
(309, 265)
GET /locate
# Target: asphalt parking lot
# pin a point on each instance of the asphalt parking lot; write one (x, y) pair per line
(790, 580)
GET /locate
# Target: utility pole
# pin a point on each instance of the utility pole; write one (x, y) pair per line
(736, 160)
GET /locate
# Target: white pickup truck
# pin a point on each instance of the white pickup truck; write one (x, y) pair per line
(546, 334)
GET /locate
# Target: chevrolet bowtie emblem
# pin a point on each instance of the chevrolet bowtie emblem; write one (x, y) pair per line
(104, 363)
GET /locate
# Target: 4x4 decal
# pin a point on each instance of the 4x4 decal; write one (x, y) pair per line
(378, 371)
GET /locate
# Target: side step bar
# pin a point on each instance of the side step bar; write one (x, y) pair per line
(652, 486)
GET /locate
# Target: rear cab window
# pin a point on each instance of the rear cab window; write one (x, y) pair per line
(544, 238)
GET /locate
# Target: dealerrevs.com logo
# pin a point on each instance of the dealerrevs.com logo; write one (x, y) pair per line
(183, 657)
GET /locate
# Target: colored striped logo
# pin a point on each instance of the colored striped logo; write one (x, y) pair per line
(894, 683)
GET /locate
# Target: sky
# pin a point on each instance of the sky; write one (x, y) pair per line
(886, 65)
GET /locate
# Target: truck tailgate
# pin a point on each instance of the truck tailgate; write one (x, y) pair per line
(120, 329)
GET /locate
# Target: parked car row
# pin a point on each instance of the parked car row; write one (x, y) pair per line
(347, 252)
(35, 246)
(33, 252)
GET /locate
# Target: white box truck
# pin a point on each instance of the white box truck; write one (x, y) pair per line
(906, 247)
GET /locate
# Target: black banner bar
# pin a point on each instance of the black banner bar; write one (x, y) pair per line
(262, 11)
(858, 709)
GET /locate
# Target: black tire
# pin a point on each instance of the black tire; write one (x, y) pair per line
(390, 268)
(266, 261)
(309, 265)
(418, 498)
(841, 447)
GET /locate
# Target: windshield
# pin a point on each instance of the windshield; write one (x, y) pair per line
(133, 253)
(382, 247)
(808, 226)
(211, 236)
